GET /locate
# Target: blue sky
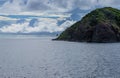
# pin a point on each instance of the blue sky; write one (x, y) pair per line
(34, 16)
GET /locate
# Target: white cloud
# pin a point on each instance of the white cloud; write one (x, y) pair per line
(48, 9)
(45, 25)
(66, 24)
(14, 28)
(44, 14)
(42, 25)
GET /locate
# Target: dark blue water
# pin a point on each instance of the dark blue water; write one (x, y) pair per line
(39, 57)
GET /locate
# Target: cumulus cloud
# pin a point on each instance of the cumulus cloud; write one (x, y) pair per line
(14, 28)
(48, 13)
(42, 25)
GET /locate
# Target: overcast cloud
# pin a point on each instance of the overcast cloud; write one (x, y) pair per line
(14, 6)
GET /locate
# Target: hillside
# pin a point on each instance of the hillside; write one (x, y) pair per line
(100, 25)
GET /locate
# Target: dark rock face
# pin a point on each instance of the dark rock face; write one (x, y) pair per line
(104, 33)
(101, 25)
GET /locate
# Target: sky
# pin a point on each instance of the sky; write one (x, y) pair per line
(37, 16)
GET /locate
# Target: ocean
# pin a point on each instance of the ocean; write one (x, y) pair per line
(40, 57)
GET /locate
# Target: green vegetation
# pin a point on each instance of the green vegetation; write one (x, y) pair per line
(100, 25)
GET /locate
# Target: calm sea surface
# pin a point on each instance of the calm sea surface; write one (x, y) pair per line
(39, 57)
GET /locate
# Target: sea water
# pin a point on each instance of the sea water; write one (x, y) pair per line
(40, 57)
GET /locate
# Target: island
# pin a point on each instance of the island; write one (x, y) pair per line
(101, 25)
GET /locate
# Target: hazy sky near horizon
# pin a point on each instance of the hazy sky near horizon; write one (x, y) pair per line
(45, 15)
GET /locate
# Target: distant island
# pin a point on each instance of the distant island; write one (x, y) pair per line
(101, 25)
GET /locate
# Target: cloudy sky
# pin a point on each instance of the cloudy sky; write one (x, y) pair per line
(35, 16)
